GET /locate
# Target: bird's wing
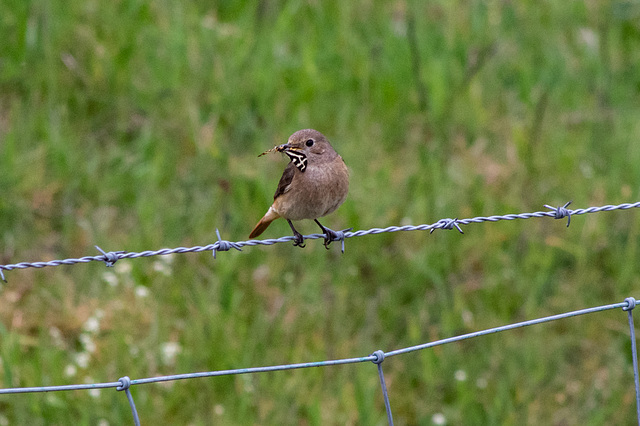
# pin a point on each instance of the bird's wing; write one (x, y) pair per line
(285, 181)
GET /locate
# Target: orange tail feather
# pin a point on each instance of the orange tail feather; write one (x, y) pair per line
(264, 223)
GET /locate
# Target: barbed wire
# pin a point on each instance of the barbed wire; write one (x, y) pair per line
(110, 258)
(377, 357)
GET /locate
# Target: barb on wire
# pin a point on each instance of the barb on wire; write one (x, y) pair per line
(561, 212)
(110, 258)
(221, 245)
(339, 236)
(446, 224)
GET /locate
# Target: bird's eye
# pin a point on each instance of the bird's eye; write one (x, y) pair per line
(309, 142)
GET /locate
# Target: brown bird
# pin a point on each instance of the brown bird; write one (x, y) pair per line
(314, 184)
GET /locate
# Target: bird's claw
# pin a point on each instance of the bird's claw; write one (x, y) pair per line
(298, 240)
(329, 236)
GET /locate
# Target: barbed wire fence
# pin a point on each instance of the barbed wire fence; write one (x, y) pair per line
(377, 357)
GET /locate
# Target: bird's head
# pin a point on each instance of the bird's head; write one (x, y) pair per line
(304, 146)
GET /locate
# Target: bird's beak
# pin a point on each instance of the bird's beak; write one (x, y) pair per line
(281, 148)
(286, 147)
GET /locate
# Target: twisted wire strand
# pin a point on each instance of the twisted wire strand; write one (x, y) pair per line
(222, 245)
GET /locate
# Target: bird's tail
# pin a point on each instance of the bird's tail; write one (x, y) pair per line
(269, 217)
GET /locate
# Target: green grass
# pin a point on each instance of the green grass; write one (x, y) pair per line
(136, 125)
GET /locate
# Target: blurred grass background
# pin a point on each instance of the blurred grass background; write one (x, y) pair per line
(136, 125)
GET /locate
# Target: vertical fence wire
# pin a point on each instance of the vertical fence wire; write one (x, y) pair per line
(125, 385)
(634, 351)
(387, 405)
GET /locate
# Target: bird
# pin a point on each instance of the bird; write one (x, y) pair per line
(314, 183)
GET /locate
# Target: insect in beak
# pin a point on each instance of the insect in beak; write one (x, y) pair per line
(279, 148)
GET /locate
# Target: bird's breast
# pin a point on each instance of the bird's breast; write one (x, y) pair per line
(320, 190)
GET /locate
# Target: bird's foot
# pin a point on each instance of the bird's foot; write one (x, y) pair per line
(330, 235)
(298, 240)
